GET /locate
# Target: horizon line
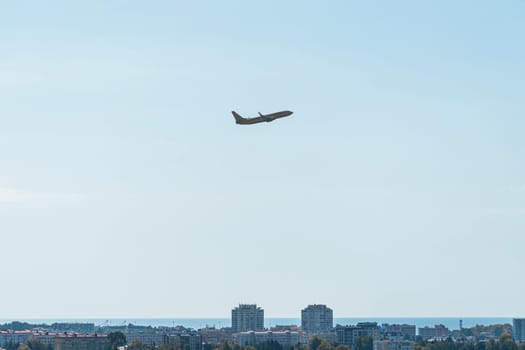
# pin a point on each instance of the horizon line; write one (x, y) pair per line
(229, 317)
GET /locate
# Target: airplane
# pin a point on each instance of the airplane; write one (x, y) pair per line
(261, 118)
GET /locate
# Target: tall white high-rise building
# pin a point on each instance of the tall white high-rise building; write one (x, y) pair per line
(518, 330)
(317, 318)
(247, 317)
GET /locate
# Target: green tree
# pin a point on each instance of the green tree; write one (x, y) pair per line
(505, 342)
(224, 346)
(363, 343)
(35, 344)
(342, 347)
(269, 345)
(491, 345)
(136, 345)
(20, 326)
(480, 346)
(420, 341)
(170, 347)
(11, 346)
(314, 343)
(116, 339)
(325, 346)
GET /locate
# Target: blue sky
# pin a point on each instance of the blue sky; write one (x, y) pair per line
(397, 188)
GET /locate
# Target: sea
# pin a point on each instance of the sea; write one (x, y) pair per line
(197, 323)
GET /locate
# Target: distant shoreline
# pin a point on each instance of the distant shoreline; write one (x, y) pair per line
(197, 323)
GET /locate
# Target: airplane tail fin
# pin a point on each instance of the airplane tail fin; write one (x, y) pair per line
(237, 117)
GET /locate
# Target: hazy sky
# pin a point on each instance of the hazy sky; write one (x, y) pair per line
(397, 188)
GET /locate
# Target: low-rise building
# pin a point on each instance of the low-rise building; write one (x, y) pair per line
(81, 342)
(146, 338)
(73, 327)
(14, 337)
(286, 338)
(45, 338)
(284, 327)
(348, 334)
(211, 335)
(185, 341)
(19, 337)
(329, 336)
(437, 332)
(399, 331)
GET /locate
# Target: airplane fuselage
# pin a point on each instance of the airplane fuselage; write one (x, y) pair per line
(262, 117)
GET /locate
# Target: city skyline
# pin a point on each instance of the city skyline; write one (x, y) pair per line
(269, 321)
(396, 188)
(248, 329)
